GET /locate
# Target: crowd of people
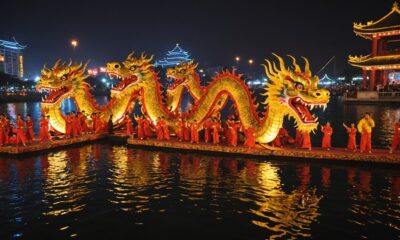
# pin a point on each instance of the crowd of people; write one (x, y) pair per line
(22, 131)
(211, 131)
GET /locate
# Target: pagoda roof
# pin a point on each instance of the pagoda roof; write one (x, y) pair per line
(13, 45)
(174, 57)
(378, 62)
(389, 23)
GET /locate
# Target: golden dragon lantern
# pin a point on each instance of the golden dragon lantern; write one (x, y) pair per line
(290, 92)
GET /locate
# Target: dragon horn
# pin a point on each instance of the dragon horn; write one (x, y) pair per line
(268, 69)
(56, 64)
(296, 66)
(130, 55)
(307, 67)
(281, 62)
(70, 62)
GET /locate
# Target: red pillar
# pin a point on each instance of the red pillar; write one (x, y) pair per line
(375, 42)
(364, 81)
(372, 80)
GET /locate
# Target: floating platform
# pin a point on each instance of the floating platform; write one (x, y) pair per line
(335, 154)
(38, 146)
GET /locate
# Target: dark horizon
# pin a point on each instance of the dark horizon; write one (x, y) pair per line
(213, 33)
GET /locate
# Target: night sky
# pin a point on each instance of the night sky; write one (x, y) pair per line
(213, 32)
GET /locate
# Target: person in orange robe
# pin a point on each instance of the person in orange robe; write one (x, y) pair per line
(185, 130)
(178, 130)
(326, 140)
(282, 138)
(365, 126)
(77, 123)
(74, 124)
(298, 141)
(165, 129)
(306, 143)
(159, 129)
(44, 134)
(29, 131)
(396, 137)
(128, 123)
(233, 133)
(226, 131)
(207, 128)
(83, 121)
(68, 128)
(216, 126)
(250, 134)
(146, 127)
(140, 128)
(20, 130)
(352, 131)
(194, 132)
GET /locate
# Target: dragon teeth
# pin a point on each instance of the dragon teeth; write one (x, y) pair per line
(324, 108)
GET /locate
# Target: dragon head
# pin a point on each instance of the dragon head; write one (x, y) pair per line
(181, 73)
(62, 81)
(295, 92)
(131, 71)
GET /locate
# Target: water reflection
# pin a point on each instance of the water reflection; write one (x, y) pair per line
(86, 190)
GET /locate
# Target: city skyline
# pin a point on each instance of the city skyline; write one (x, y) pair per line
(319, 30)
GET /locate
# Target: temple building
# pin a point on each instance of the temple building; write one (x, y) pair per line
(174, 57)
(381, 66)
(11, 58)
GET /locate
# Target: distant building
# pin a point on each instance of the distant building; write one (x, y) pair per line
(11, 58)
(382, 66)
(174, 57)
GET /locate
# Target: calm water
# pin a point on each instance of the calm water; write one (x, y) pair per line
(114, 192)
(337, 112)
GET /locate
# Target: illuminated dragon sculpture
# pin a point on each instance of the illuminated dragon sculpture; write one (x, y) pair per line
(289, 92)
(68, 81)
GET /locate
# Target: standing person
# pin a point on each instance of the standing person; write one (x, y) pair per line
(185, 130)
(146, 127)
(68, 127)
(396, 137)
(233, 132)
(2, 129)
(250, 134)
(29, 130)
(77, 123)
(159, 129)
(44, 134)
(298, 141)
(306, 143)
(83, 122)
(194, 132)
(178, 132)
(207, 129)
(352, 131)
(365, 126)
(7, 129)
(20, 130)
(129, 124)
(140, 127)
(326, 140)
(165, 128)
(216, 126)
(110, 125)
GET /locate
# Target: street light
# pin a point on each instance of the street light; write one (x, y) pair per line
(237, 59)
(74, 44)
(1, 58)
(251, 61)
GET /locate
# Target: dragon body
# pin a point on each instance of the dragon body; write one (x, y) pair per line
(289, 92)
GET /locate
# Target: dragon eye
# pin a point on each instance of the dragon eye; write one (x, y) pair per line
(133, 68)
(299, 87)
(182, 71)
(64, 77)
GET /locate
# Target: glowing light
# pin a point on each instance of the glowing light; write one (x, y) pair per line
(201, 70)
(74, 43)
(103, 69)
(37, 78)
(104, 80)
(251, 61)
(21, 66)
(1, 58)
(237, 59)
